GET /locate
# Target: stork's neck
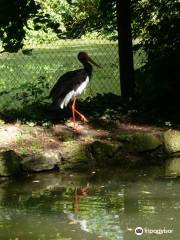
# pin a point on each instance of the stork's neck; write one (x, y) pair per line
(88, 68)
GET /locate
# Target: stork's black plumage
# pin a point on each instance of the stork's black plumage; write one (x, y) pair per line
(72, 84)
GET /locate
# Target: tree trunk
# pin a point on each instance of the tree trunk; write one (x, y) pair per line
(125, 49)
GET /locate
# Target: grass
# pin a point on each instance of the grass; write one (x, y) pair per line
(26, 79)
(17, 69)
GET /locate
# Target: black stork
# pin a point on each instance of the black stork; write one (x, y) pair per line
(72, 84)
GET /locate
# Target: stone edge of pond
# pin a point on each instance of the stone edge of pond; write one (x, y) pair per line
(130, 149)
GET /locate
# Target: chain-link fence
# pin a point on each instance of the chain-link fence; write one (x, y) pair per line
(28, 76)
(52, 60)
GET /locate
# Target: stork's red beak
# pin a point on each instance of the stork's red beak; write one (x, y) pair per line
(94, 63)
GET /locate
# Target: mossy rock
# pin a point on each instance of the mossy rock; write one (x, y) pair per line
(47, 160)
(173, 166)
(75, 155)
(140, 142)
(104, 153)
(10, 164)
(172, 141)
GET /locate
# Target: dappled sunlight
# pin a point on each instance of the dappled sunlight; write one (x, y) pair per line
(8, 135)
(107, 166)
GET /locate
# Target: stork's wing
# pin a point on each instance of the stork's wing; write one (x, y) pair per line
(66, 83)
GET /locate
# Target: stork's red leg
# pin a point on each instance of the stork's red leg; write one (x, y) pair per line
(78, 113)
(81, 115)
(73, 112)
(83, 118)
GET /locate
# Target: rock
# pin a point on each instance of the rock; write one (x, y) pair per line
(85, 156)
(173, 166)
(140, 142)
(10, 164)
(47, 160)
(104, 153)
(172, 141)
(76, 155)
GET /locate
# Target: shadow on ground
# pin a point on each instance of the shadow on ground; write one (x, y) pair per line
(103, 111)
(40, 110)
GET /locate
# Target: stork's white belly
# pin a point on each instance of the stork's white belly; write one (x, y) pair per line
(74, 93)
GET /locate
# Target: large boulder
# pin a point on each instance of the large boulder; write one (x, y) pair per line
(10, 164)
(75, 155)
(104, 153)
(172, 141)
(140, 142)
(47, 160)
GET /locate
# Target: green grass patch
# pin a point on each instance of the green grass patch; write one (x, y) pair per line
(17, 69)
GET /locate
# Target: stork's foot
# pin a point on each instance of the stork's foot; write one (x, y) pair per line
(74, 125)
(77, 130)
(84, 119)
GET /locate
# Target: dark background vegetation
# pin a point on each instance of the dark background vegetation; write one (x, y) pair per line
(154, 30)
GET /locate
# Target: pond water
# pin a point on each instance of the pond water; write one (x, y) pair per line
(108, 205)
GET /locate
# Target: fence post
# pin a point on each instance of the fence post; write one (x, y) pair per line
(125, 48)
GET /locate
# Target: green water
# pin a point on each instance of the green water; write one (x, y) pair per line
(107, 205)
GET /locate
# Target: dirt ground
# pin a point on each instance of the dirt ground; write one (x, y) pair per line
(24, 138)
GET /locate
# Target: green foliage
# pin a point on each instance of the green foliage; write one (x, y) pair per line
(37, 21)
(156, 26)
(108, 18)
(25, 101)
(80, 19)
(13, 19)
(47, 25)
(154, 23)
(72, 20)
